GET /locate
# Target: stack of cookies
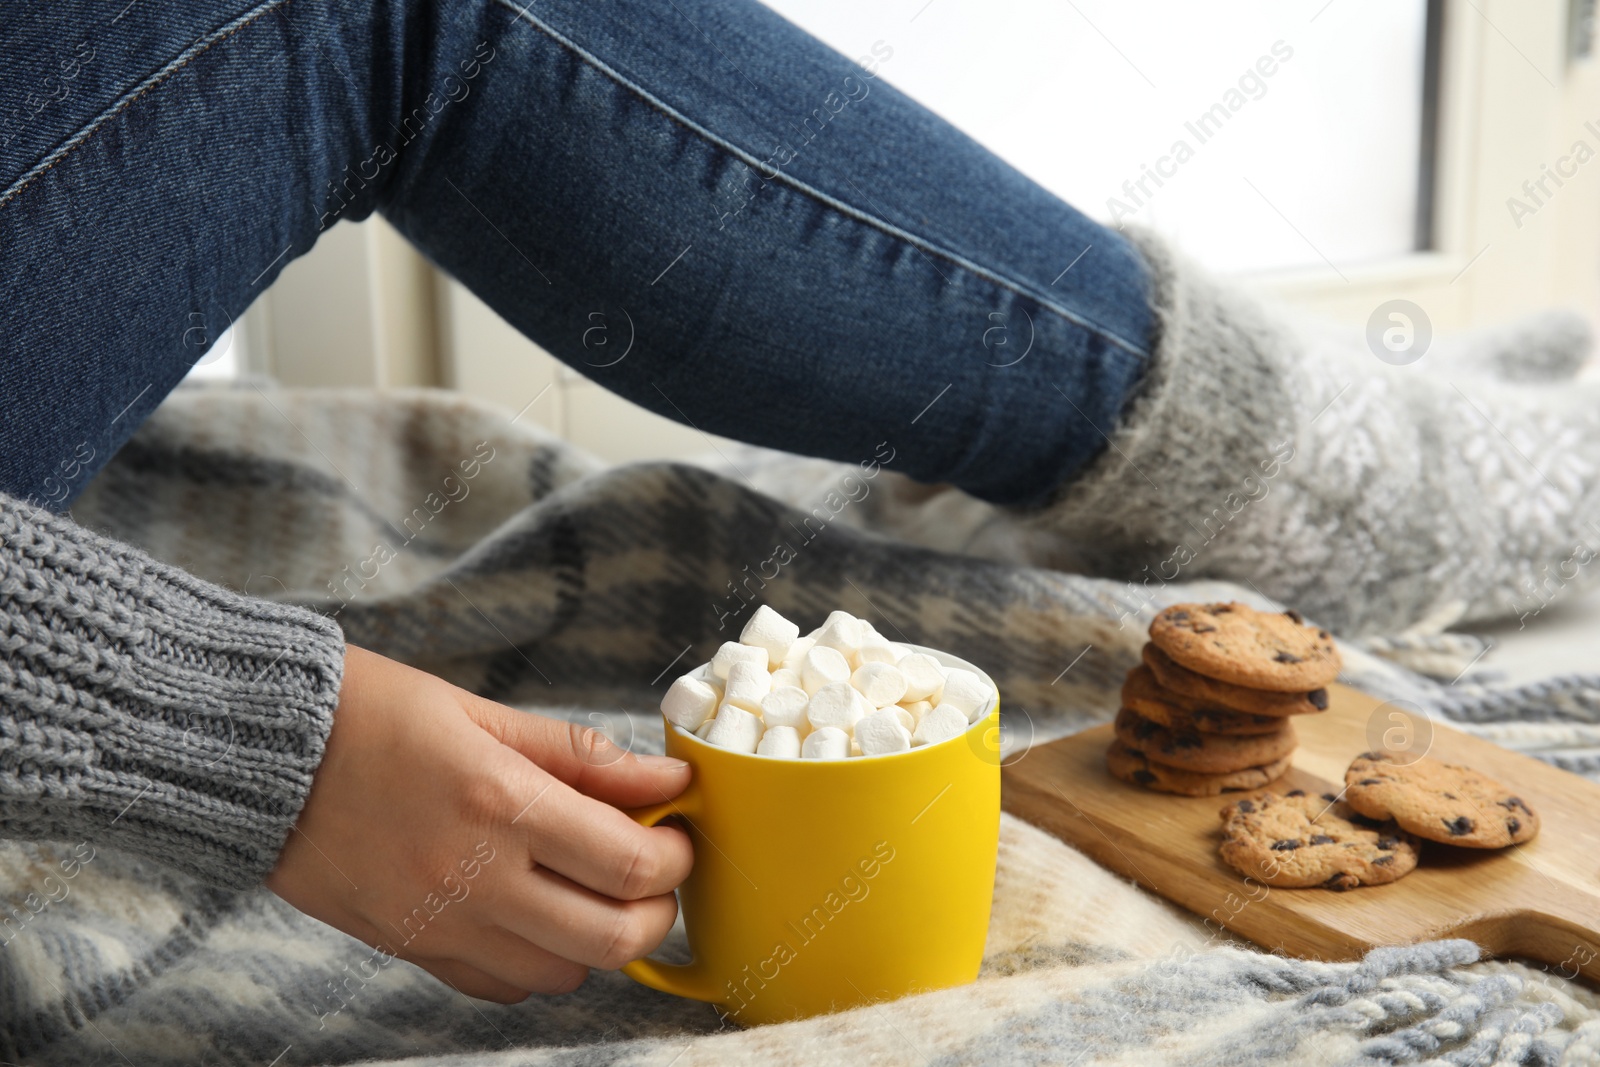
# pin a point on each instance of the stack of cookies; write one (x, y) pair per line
(1209, 709)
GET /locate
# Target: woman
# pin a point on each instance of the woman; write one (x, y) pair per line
(809, 261)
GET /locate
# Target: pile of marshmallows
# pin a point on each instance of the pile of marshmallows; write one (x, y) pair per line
(842, 690)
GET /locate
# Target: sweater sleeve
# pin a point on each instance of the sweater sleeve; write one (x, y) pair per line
(144, 709)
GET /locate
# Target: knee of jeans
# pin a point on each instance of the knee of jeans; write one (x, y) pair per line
(413, 67)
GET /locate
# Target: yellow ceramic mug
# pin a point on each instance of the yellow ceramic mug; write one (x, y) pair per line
(825, 884)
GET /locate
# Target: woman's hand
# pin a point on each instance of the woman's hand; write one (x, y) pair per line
(479, 842)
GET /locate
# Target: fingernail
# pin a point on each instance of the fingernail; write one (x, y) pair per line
(661, 763)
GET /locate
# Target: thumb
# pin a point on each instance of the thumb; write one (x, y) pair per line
(581, 756)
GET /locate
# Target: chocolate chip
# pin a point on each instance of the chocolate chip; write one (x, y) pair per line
(1329, 797)
(1299, 620)
(1338, 882)
(1202, 628)
(1321, 839)
(1143, 777)
(1144, 729)
(1512, 826)
(1324, 635)
(1246, 805)
(1178, 616)
(1513, 803)
(1388, 844)
(1372, 757)
(1287, 845)
(1296, 793)
(1383, 861)
(1459, 825)
(1319, 699)
(1186, 741)
(1451, 796)
(1220, 609)
(1370, 781)
(1285, 657)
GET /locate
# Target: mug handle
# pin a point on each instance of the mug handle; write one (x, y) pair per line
(680, 979)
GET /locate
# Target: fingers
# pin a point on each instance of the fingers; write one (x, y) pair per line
(578, 924)
(465, 978)
(582, 756)
(510, 958)
(505, 968)
(599, 847)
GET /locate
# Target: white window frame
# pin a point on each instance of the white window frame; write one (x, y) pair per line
(1510, 99)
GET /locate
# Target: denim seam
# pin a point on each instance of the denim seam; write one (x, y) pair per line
(827, 200)
(92, 127)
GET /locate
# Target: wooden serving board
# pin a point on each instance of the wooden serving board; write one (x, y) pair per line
(1539, 900)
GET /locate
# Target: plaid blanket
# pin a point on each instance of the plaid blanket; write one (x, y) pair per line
(457, 538)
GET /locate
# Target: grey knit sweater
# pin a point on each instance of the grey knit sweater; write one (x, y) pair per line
(144, 709)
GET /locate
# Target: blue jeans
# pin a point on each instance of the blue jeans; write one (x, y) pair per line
(801, 256)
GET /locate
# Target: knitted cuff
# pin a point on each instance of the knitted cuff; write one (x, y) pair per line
(144, 709)
(1215, 405)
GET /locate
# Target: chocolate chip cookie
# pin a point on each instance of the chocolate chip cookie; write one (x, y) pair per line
(1191, 750)
(1181, 680)
(1237, 644)
(1130, 765)
(1143, 694)
(1439, 801)
(1303, 841)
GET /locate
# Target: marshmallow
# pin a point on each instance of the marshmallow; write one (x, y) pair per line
(940, 724)
(924, 677)
(835, 705)
(823, 666)
(705, 727)
(966, 692)
(704, 673)
(689, 702)
(840, 616)
(735, 728)
(733, 652)
(826, 743)
(867, 706)
(748, 685)
(880, 683)
(771, 631)
(908, 720)
(881, 733)
(786, 706)
(876, 650)
(916, 709)
(783, 741)
(797, 653)
(843, 632)
(784, 676)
